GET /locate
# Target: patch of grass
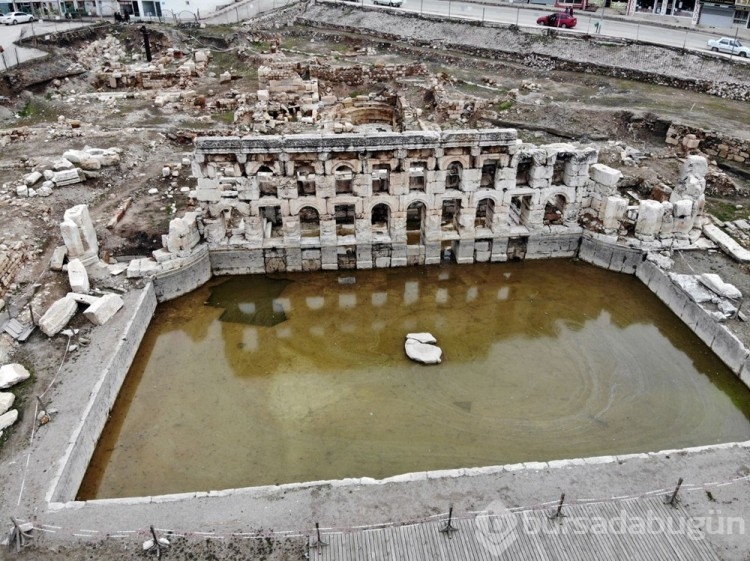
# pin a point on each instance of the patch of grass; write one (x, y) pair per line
(504, 105)
(226, 117)
(261, 45)
(725, 211)
(37, 111)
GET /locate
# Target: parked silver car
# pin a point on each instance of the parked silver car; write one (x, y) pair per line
(728, 45)
(394, 3)
(12, 18)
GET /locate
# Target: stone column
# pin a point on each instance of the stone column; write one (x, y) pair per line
(79, 235)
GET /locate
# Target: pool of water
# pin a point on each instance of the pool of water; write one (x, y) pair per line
(256, 380)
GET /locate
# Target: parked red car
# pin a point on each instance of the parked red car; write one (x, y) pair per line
(558, 19)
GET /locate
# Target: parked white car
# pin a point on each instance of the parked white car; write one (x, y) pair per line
(728, 45)
(12, 18)
(395, 3)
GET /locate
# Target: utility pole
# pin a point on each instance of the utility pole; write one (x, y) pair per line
(146, 43)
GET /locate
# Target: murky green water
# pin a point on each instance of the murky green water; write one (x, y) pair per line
(307, 379)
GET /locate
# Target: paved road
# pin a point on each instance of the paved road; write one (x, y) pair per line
(526, 17)
(11, 33)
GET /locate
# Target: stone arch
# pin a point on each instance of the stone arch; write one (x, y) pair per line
(369, 204)
(410, 198)
(485, 213)
(295, 205)
(453, 174)
(343, 175)
(380, 218)
(309, 221)
(554, 208)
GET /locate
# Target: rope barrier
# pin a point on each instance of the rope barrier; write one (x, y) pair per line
(311, 533)
(36, 412)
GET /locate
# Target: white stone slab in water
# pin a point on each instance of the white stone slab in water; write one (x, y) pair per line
(422, 337)
(422, 352)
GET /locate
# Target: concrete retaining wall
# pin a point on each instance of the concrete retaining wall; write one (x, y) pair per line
(194, 273)
(608, 255)
(83, 441)
(715, 335)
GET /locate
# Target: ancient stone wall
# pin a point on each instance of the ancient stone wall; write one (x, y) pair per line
(710, 142)
(356, 75)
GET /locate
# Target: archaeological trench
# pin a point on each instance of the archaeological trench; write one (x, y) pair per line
(237, 237)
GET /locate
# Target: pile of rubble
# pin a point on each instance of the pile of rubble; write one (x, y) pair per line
(75, 166)
(81, 250)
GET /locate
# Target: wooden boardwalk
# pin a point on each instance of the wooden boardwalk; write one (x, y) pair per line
(596, 532)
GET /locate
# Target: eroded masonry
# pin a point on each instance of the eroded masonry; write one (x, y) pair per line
(345, 201)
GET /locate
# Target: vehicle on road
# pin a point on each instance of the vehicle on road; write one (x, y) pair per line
(558, 19)
(728, 45)
(12, 18)
(394, 3)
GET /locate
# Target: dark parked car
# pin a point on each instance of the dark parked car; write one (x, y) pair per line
(558, 19)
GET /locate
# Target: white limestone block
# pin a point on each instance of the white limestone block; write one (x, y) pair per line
(714, 283)
(78, 277)
(57, 316)
(12, 374)
(66, 177)
(6, 401)
(422, 352)
(605, 175)
(8, 419)
(694, 289)
(695, 165)
(84, 160)
(427, 338)
(79, 235)
(32, 178)
(649, 218)
(101, 311)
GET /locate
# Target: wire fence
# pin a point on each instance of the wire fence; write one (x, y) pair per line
(668, 494)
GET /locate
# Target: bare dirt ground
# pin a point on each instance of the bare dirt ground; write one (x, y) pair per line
(547, 107)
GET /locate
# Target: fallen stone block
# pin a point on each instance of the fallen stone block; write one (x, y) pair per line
(32, 178)
(58, 316)
(8, 419)
(58, 258)
(66, 177)
(85, 299)
(12, 374)
(713, 282)
(78, 277)
(605, 175)
(82, 159)
(6, 401)
(101, 311)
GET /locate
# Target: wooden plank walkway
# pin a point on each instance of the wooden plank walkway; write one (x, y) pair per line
(595, 532)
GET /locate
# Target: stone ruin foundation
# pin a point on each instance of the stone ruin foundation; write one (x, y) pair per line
(355, 201)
